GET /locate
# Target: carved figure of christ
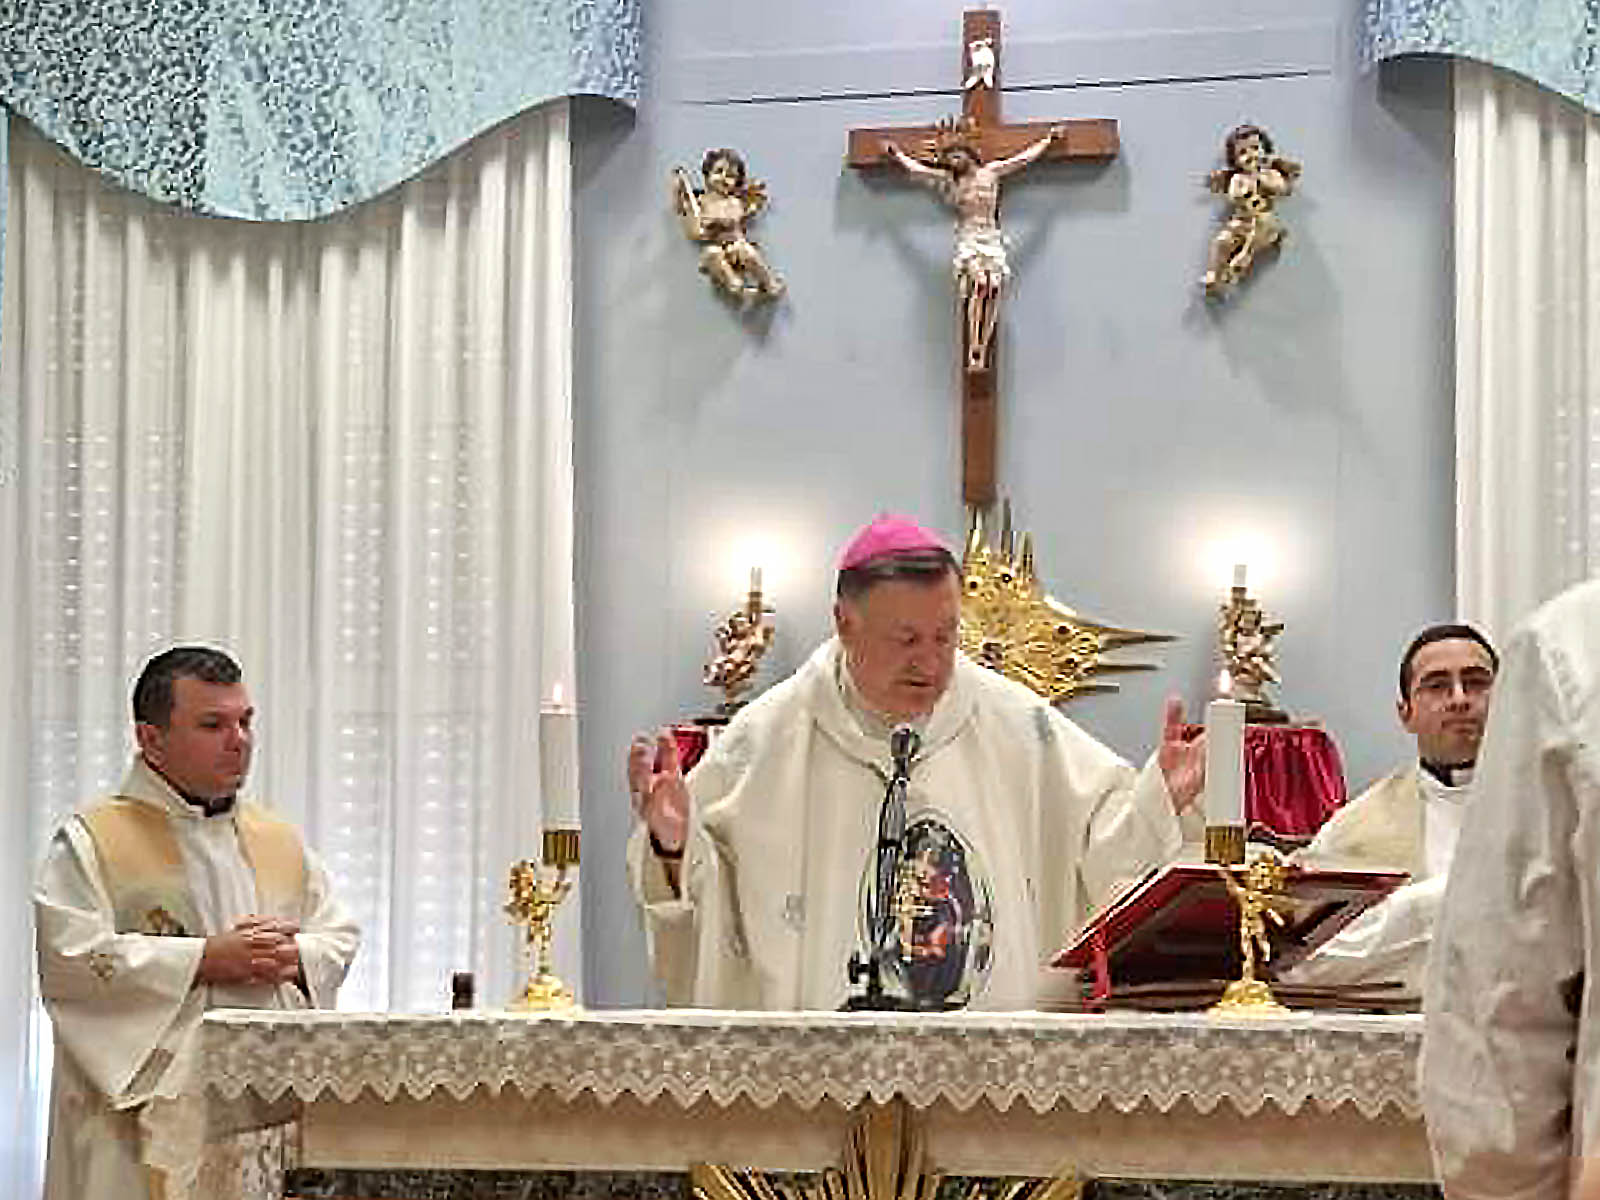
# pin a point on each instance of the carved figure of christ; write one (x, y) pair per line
(965, 160)
(972, 188)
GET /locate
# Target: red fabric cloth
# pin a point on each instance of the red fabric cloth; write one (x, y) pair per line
(1293, 778)
(692, 741)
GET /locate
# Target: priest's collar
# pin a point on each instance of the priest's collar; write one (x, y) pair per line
(873, 723)
(847, 722)
(157, 786)
(1452, 775)
(216, 807)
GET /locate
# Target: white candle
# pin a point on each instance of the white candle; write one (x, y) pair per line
(755, 580)
(1238, 575)
(558, 770)
(1224, 763)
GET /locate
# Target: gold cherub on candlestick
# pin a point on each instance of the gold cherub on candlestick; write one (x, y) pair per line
(1244, 641)
(1256, 889)
(742, 639)
(533, 903)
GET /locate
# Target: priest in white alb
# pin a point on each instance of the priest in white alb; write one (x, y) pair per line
(752, 872)
(157, 903)
(1409, 820)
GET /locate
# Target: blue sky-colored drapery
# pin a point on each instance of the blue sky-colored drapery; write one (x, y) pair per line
(1555, 43)
(293, 109)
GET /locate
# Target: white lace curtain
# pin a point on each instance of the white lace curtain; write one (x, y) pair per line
(1527, 217)
(341, 449)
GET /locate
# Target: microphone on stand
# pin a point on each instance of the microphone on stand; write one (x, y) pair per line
(904, 743)
(882, 927)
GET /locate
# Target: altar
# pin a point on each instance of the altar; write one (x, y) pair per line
(1306, 1098)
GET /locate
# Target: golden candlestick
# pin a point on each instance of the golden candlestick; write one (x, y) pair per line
(1257, 891)
(533, 903)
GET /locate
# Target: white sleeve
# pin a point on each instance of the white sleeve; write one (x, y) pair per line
(1501, 1018)
(1387, 942)
(691, 934)
(1104, 822)
(1132, 829)
(327, 940)
(115, 999)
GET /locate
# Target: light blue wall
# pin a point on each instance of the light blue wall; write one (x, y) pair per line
(1139, 426)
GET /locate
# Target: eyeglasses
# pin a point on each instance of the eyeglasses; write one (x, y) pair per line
(1440, 685)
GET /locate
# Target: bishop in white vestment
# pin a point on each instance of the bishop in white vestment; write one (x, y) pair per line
(1019, 824)
(154, 905)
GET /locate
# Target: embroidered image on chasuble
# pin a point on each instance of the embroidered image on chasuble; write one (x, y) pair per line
(944, 908)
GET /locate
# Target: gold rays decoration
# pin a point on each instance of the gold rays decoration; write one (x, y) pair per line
(885, 1158)
(1010, 625)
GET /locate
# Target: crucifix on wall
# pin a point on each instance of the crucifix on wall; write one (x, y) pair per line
(965, 160)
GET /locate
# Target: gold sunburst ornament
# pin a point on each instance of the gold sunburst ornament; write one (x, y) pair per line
(1010, 625)
(885, 1158)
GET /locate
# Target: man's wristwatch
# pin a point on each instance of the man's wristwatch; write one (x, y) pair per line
(662, 852)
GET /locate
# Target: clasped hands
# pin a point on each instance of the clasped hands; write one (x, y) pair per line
(255, 950)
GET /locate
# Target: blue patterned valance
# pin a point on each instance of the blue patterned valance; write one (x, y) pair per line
(292, 109)
(1555, 43)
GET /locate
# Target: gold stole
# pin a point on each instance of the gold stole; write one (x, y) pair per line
(143, 869)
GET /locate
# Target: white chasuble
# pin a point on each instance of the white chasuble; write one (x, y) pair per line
(129, 890)
(1019, 825)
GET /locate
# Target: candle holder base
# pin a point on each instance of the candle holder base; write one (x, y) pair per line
(1248, 998)
(1225, 845)
(1259, 712)
(543, 993)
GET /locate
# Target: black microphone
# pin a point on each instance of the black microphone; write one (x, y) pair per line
(869, 967)
(904, 743)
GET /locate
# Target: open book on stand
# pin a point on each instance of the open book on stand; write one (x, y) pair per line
(1172, 940)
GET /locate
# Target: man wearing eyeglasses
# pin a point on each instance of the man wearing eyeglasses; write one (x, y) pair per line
(1409, 820)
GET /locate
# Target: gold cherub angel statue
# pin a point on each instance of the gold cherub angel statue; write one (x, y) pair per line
(717, 217)
(531, 903)
(742, 639)
(1257, 890)
(1254, 179)
(1245, 640)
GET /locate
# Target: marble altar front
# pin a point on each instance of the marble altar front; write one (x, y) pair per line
(1310, 1097)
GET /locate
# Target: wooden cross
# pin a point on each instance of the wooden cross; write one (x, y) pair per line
(994, 140)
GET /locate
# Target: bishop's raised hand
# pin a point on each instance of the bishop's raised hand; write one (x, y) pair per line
(660, 794)
(1182, 760)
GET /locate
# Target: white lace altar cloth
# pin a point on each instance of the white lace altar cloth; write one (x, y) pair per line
(691, 1056)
